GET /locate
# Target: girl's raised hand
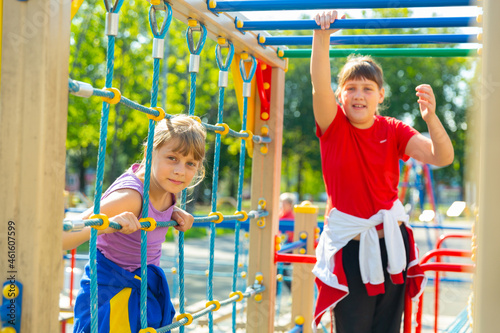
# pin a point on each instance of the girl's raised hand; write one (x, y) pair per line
(426, 100)
(127, 220)
(326, 18)
(183, 218)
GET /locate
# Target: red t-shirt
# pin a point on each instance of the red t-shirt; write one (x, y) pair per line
(361, 166)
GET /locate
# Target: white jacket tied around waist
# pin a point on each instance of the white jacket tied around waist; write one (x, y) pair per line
(340, 228)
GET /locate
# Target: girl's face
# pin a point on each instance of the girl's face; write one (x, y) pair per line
(360, 98)
(172, 171)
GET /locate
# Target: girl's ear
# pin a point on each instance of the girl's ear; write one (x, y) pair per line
(382, 95)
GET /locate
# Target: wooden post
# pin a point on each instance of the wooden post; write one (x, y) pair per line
(33, 111)
(487, 289)
(306, 217)
(266, 178)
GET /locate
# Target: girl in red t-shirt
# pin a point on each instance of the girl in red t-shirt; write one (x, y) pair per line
(360, 152)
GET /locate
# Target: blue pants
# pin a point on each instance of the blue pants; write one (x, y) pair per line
(119, 293)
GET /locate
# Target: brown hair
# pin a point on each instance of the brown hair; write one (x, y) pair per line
(188, 135)
(360, 67)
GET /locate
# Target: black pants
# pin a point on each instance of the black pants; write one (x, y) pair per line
(360, 313)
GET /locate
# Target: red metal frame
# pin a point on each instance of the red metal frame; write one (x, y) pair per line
(291, 258)
(294, 258)
(71, 285)
(436, 267)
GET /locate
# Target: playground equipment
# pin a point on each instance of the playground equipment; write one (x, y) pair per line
(33, 99)
(437, 267)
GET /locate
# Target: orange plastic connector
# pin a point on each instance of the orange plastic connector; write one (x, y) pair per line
(148, 329)
(299, 320)
(198, 119)
(250, 135)
(239, 293)
(159, 117)
(152, 223)
(262, 203)
(226, 128)
(245, 215)
(219, 215)
(105, 221)
(214, 302)
(8, 330)
(185, 315)
(10, 291)
(116, 98)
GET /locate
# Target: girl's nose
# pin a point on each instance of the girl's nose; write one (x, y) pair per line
(179, 169)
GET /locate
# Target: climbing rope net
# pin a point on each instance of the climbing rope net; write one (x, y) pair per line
(111, 95)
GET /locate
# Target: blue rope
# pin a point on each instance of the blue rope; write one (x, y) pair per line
(215, 182)
(192, 103)
(240, 184)
(181, 261)
(196, 51)
(192, 96)
(110, 56)
(149, 153)
(145, 203)
(166, 22)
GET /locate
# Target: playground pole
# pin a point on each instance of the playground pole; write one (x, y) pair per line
(306, 217)
(33, 112)
(487, 289)
(266, 178)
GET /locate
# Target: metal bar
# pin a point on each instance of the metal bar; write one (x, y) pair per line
(294, 258)
(265, 5)
(386, 52)
(292, 246)
(374, 39)
(386, 23)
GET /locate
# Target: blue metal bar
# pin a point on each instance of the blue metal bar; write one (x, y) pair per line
(265, 5)
(376, 39)
(74, 86)
(417, 226)
(296, 329)
(386, 23)
(292, 246)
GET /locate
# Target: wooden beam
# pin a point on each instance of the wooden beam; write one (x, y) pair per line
(33, 111)
(223, 25)
(306, 221)
(266, 179)
(486, 284)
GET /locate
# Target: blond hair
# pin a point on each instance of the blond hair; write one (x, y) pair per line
(188, 135)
